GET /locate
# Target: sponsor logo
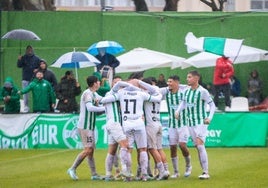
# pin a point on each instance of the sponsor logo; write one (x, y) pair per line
(70, 134)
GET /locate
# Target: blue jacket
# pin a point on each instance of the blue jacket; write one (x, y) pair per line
(28, 63)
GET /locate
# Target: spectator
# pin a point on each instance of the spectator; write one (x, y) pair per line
(235, 86)
(66, 91)
(161, 82)
(43, 94)
(106, 59)
(29, 63)
(211, 89)
(9, 94)
(222, 73)
(254, 89)
(48, 74)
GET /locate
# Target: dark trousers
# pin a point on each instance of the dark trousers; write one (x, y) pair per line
(225, 89)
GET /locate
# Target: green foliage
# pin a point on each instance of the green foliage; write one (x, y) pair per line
(229, 167)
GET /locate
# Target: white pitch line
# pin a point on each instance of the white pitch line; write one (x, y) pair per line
(35, 156)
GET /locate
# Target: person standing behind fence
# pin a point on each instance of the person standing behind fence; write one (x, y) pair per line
(106, 59)
(29, 63)
(9, 94)
(221, 80)
(43, 94)
(161, 82)
(235, 86)
(254, 89)
(66, 91)
(48, 74)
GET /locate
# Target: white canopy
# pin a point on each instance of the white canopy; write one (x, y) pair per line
(140, 59)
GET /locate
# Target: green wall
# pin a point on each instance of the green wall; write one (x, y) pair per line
(62, 31)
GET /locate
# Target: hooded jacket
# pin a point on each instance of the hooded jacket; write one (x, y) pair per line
(223, 71)
(67, 90)
(49, 75)
(9, 89)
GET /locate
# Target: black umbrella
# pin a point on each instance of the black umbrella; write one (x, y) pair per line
(21, 34)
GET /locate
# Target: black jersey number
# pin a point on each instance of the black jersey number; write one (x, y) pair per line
(127, 106)
(154, 111)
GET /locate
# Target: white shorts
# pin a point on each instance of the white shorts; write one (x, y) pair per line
(199, 131)
(87, 138)
(154, 136)
(115, 133)
(137, 136)
(177, 135)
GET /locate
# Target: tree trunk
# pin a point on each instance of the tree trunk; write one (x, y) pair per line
(17, 4)
(140, 5)
(28, 5)
(49, 4)
(171, 5)
(5, 5)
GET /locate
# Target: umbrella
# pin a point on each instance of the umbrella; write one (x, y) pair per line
(247, 54)
(112, 47)
(140, 59)
(21, 34)
(75, 60)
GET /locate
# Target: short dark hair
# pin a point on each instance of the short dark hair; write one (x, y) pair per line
(147, 80)
(136, 75)
(29, 46)
(117, 76)
(67, 73)
(91, 80)
(194, 73)
(174, 77)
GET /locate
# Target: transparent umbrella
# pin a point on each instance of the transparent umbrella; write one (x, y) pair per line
(21, 34)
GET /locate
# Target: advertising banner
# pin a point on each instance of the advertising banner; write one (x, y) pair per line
(25, 131)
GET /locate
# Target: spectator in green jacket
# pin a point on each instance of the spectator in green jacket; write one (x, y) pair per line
(42, 93)
(9, 94)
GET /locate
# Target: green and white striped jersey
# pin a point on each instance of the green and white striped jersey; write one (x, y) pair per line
(87, 117)
(173, 100)
(196, 102)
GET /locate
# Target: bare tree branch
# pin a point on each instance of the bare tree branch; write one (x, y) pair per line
(212, 4)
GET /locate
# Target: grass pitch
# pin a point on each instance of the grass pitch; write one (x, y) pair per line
(229, 167)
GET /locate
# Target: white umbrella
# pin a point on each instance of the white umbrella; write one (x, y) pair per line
(140, 59)
(75, 60)
(247, 54)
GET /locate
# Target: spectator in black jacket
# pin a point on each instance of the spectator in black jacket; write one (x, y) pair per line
(66, 91)
(106, 59)
(48, 74)
(29, 63)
